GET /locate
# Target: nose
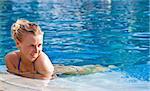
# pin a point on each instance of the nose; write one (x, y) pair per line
(36, 49)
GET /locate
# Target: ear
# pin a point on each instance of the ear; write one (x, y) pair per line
(18, 44)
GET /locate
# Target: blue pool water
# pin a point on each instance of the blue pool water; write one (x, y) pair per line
(81, 32)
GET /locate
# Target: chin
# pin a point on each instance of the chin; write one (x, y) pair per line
(32, 58)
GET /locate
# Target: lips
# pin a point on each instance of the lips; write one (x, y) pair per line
(34, 55)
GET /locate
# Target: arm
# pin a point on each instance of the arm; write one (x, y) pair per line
(44, 67)
(29, 74)
(10, 64)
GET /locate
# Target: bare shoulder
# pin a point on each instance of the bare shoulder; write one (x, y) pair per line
(43, 64)
(43, 58)
(11, 56)
(11, 59)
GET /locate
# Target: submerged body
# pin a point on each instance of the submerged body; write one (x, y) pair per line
(79, 70)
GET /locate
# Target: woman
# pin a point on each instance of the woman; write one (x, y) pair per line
(30, 61)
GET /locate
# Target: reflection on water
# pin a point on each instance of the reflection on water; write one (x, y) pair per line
(80, 32)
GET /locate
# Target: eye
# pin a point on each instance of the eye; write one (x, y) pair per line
(39, 45)
(32, 45)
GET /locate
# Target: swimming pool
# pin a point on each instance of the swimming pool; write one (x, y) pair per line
(81, 32)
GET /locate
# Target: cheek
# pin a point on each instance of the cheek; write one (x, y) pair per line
(41, 48)
(26, 50)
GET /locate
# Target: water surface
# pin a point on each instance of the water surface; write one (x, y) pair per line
(81, 32)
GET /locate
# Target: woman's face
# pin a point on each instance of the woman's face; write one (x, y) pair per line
(31, 46)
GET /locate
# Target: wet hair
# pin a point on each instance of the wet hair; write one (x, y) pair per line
(23, 26)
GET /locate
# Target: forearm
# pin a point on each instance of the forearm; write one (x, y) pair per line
(14, 71)
(33, 75)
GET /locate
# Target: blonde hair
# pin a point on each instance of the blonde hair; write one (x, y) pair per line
(22, 26)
